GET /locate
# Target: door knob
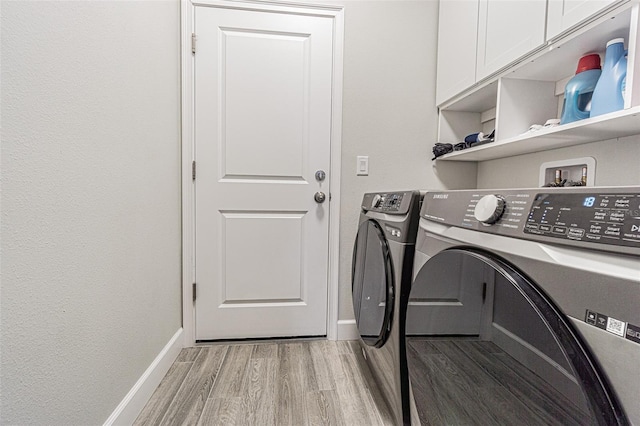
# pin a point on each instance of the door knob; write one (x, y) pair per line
(320, 197)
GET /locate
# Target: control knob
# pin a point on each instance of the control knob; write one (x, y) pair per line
(377, 201)
(489, 209)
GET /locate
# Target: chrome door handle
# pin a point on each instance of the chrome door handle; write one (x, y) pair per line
(320, 197)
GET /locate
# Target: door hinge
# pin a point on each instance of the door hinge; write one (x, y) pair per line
(193, 43)
(193, 170)
(194, 292)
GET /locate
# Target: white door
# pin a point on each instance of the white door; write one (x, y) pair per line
(457, 47)
(506, 31)
(563, 14)
(262, 131)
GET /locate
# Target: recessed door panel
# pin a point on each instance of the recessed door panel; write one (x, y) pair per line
(247, 237)
(265, 87)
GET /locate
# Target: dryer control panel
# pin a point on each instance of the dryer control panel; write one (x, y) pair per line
(582, 216)
(387, 202)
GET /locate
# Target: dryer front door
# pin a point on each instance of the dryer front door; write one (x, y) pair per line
(372, 284)
(522, 362)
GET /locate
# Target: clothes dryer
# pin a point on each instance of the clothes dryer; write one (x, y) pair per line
(381, 278)
(525, 307)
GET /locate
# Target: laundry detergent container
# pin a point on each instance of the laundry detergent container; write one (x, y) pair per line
(608, 95)
(579, 90)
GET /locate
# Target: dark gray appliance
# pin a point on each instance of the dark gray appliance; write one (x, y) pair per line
(381, 277)
(525, 307)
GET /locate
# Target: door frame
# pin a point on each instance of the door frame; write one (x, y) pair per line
(188, 143)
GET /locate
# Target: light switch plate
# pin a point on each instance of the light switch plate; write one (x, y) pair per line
(362, 165)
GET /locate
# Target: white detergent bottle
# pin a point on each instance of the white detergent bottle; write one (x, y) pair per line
(608, 95)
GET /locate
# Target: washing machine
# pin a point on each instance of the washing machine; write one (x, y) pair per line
(381, 277)
(525, 308)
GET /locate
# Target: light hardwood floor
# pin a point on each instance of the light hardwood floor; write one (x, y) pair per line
(291, 383)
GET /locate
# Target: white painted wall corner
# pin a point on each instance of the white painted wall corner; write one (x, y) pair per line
(130, 407)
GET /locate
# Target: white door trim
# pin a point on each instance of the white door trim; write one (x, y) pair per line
(188, 194)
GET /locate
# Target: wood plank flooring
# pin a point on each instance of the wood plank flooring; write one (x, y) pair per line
(292, 383)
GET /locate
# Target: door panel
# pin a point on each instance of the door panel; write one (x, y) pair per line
(373, 287)
(530, 367)
(276, 233)
(262, 129)
(457, 48)
(563, 14)
(256, 130)
(506, 31)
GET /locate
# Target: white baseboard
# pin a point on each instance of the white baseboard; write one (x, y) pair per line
(127, 411)
(348, 330)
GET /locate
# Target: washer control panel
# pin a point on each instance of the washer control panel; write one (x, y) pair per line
(595, 217)
(608, 217)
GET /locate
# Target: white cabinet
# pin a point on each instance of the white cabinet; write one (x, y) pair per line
(478, 37)
(564, 14)
(457, 41)
(506, 31)
(531, 91)
(493, 34)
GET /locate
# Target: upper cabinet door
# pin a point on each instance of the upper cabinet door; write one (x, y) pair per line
(563, 14)
(506, 31)
(457, 43)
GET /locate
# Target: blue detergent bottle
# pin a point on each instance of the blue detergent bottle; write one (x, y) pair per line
(579, 90)
(609, 93)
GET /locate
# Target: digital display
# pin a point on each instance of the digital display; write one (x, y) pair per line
(589, 201)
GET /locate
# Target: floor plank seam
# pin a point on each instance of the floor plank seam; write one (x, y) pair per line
(213, 385)
(173, 399)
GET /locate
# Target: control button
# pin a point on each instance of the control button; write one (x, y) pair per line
(622, 203)
(595, 228)
(394, 232)
(489, 209)
(559, 230)
(617, 216)
(600, 215)
(612, 231)
(545, 228)
(576, 233)
(531, 226)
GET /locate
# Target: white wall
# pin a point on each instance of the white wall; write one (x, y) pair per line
(91, 241)
(616, 164)
(389, 112)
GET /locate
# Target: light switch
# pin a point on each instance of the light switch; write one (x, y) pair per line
(362, 167)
